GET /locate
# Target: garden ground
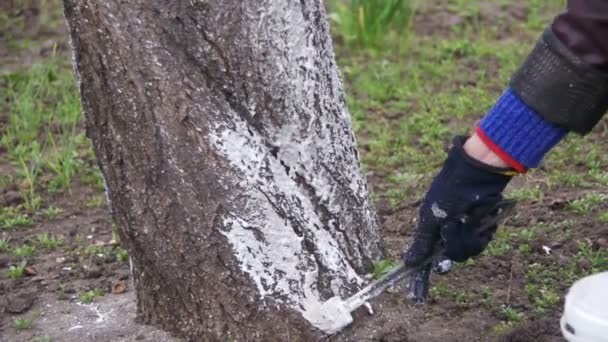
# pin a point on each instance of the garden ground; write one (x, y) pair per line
(61, 266)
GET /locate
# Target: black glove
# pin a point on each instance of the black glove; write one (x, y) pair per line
(462, 191)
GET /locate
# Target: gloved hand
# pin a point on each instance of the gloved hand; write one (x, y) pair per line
(461, 190)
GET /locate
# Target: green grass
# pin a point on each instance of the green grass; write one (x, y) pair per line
(368, 23)
(90, 296)
(43, 135)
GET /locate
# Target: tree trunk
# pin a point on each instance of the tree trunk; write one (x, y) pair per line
(230, 163)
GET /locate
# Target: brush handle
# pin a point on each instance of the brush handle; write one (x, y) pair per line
(399, 273)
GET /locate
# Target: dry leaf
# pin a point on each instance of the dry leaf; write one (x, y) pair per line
(30, 271)
(119, 287)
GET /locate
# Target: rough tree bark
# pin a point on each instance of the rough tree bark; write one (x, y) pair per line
(230, 164)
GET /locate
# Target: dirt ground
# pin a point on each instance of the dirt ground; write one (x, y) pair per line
(473, 303)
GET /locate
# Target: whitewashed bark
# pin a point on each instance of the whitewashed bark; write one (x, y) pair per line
(231, 165)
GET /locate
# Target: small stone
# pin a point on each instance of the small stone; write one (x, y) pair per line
(140, 337)
(60, 260)
(91, 271)
(602, 242)
(65, 271)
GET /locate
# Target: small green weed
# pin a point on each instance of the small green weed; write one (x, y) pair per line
(501, 244)
(123, 256)
(51, 212)
(531, 290)
(89, 296)
(93, 250)
(30, 172)
(597, 258)
(24, 251)
(501, 328)
(382, 267)
(5, 244)
(95, 202)
(27, 322)
(23, 323)
(512, 315)
(527, 194)
(603, 217)
(586, 203)
(45, 338)
(546, 299)
(441, 290)
(47, 241)
(527, 234)
(11, 217)
(524, 248)
(17, 271)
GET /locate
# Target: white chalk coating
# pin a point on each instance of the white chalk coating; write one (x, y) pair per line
(267, 246)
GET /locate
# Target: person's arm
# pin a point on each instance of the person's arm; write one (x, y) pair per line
(564, 82)
(561, 87)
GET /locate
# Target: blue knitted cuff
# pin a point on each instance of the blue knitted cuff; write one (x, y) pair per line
(519, 131)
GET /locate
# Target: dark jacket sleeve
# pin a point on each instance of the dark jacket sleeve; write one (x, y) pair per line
(583, 29)
(565, 77)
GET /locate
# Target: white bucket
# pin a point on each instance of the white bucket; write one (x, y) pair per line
(585, 317)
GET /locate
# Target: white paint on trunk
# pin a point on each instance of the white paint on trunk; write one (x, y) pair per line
(314, 142)
(276, 259)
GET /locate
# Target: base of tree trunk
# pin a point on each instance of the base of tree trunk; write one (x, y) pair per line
(222, 133)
